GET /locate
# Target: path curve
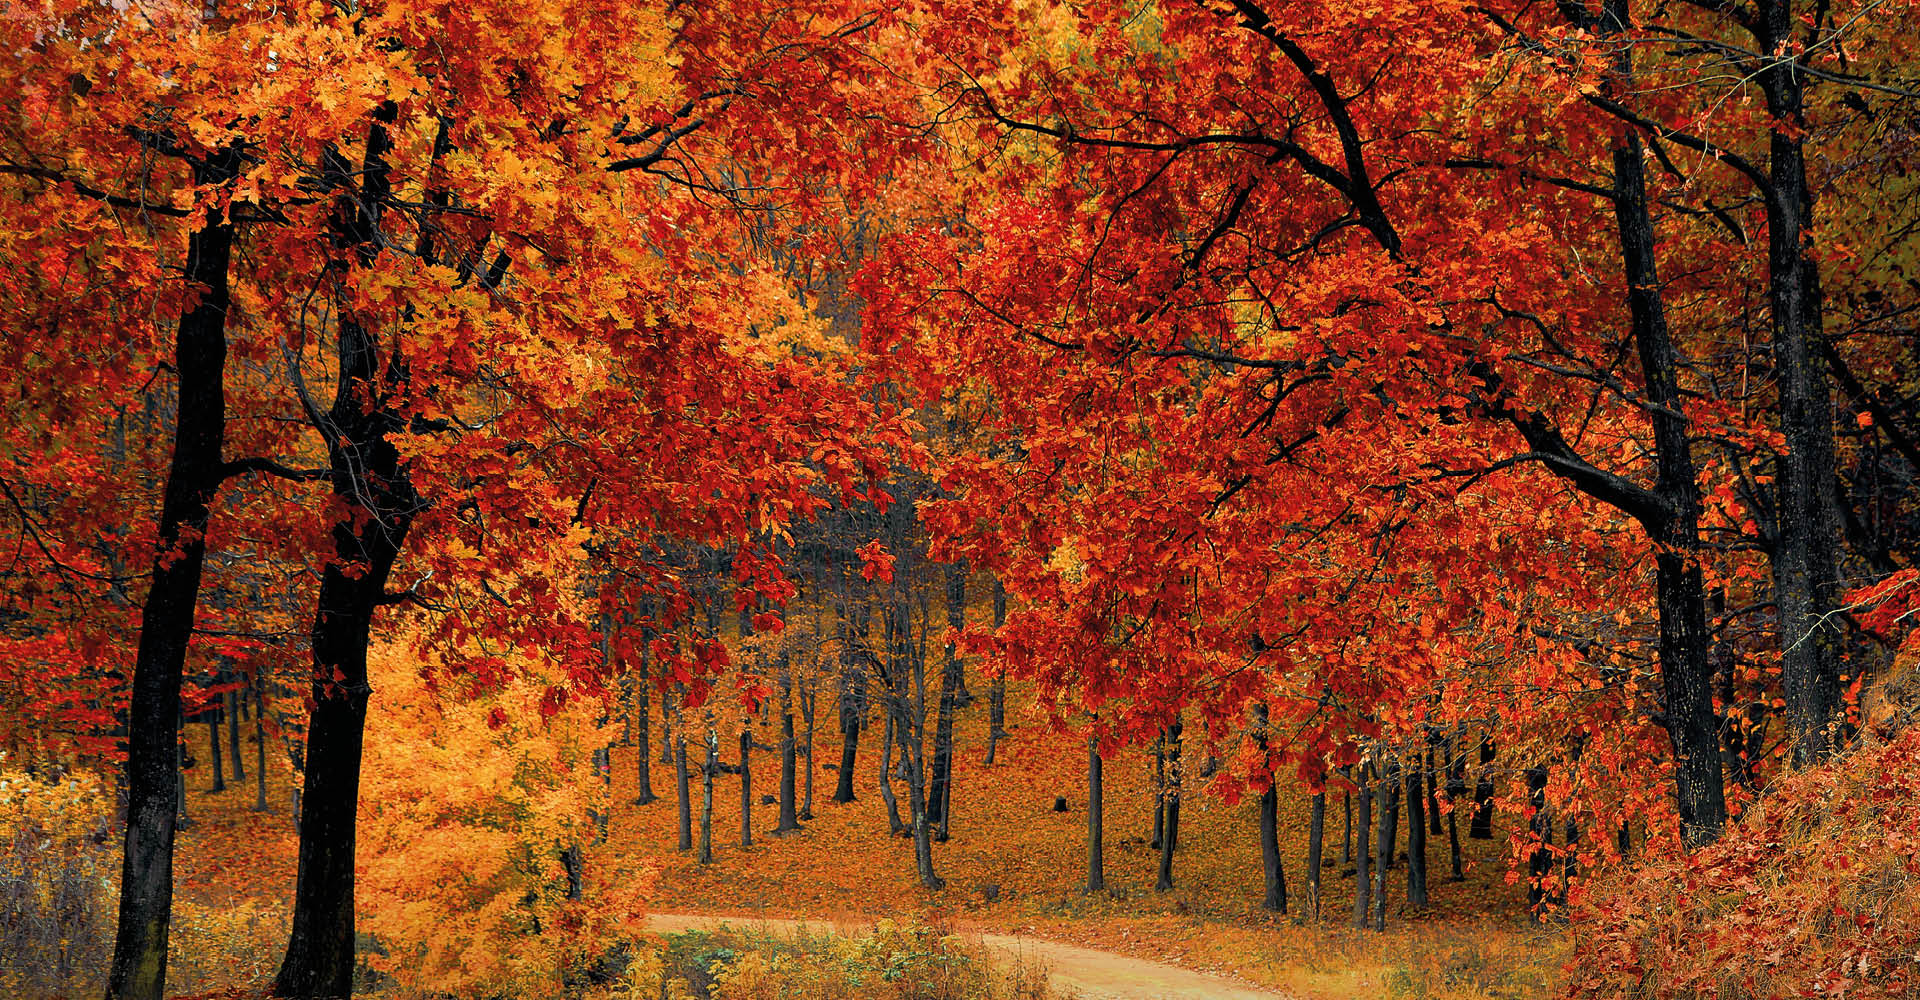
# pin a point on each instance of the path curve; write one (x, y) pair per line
(1084, 972)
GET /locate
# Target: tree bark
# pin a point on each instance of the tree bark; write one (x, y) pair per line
(1170, 835)
(1275, 898)
(214, 754)
(139, 964)
(232, 701)
(940, 791)
(1362, 857)
(370, 481)
(997, 692)
(682, 781)
(643, 738)
(789, 819)
(1417, 831)
(746, 788)
(1388, 839)
(711, 765)
(1316, 844)
(1096, 851)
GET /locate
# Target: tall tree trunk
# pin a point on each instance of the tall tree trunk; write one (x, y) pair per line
(1275, 898)
(711, 765)
(807, 693)
(789, 820)
(853, 690)
(669, 746)
(369, 481)
(997, 692)
(1170, 836)
(895, 827)
(1346, 826)
(643, 739)
(746, 788)
(684, 793)
(1481, 828)
(139, 967)
(1540, 856)
(1316, 845)
(1387, 840)
(259, 680)
(940, 791)
(214, 755)
(1417, 831)
(1362, 857)
(232, 701)
(1096, 851)
(1456, 797)
(1159, 792)
(1432, 785)
(1808, 544)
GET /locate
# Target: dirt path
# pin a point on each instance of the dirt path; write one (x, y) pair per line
(1085, 972)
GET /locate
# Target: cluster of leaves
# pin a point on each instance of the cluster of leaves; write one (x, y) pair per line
(467, 828)
(1816, 893)
(55, 913)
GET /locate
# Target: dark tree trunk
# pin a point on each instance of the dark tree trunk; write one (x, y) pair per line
(643, 738)
(940, 790)
(746, 788)
(895, 827)
(213, 749)
(1346, 826)
(1540, 858)
(1170, 835)
(669, 747)
(369, 480)
(1096, 808)
(852, 702)
(1316, 845)
(1456, 797)
(259, 739)
(997, 692)
(138, 969)
(1432, 804)
(1417, 831)
(1362, 857)
(1275, 898)
(233, 700)
(806, 714)
(711, 765)
(1481, 828)
(1276, 876)
(1159, 792)
(1388, 838)
(1808, 544)
(789, 819)
(684, 792)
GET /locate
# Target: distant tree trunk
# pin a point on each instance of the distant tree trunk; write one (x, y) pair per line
(667, 742)
(746, 788)
(1096, 853)
(1362, 858)
(184, 821)
(1346, 826)
(895, 827)
(1387, 840)
(997, 693)
(573, 863)
(1456, 797)
(711, 765)
(681, 779)
(1431, 805)
(1159, 791)
(233, 701)
(213, 747)
(1416, 838)
(1316, 837)
(260, 739)
(852, 695)
(1388, 837)
(194, 473)
(1540, 857)
(940, 790)
(789, 819)
(1482, 826)
(1170, 836)
(806, 712)
(643, 739)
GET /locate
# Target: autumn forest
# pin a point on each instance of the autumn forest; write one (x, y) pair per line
(960, 499)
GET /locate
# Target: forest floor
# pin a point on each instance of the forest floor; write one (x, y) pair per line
(1013, 867)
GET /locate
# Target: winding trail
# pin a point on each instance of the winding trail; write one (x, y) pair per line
(1083, 972)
